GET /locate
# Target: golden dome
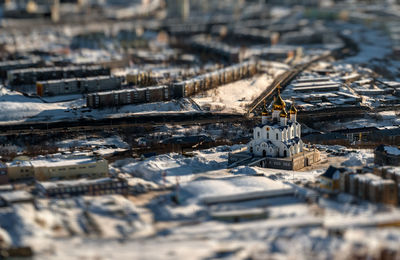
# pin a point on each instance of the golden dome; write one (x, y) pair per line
(283, 113)
(293, 109)
(279, 104)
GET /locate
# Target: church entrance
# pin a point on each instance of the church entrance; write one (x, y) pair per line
(285, 153)
(264, 153)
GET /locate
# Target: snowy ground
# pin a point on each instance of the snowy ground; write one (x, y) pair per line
(253, 240)
(16, 107)
(364, 157)
(373, 44)
(103, 146)
(172, 168)
(380, 119)
(178, 224)
(60, 219)
(235, 96)
(174, 222)
(375, 49)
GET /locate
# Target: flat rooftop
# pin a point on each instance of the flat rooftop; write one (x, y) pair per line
(71, 183)
(56, 160)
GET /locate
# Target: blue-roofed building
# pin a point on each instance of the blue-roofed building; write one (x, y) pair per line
(387, 155)
(330, 179)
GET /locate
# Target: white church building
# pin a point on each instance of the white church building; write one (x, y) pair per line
(279, 134)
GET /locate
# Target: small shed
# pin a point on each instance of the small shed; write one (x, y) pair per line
(330, 179)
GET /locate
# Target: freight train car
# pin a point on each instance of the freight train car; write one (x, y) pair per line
(31, 75)
(77, 86)
(128, 96)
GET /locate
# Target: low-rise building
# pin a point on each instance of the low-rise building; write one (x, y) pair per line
(20, 169)
(383, 191)
(387, 155)
(330, 179)
(57, 167)
(103, 186)
(379, 185)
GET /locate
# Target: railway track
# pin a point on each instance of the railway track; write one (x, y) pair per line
(281, 81)
(349, 48)
(86, 125)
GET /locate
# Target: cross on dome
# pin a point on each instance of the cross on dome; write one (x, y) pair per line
(279, 104)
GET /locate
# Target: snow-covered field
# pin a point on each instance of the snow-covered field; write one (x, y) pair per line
(373, 44)
(172, 168)
(360, 158)
(16, 107)
(234, 97)
(61, 219)
(178, 224)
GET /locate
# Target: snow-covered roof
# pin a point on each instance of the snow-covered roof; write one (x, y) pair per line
(70, 183)
(292, 141)
(19, 163)
(63, 161)
(381, 182)
(367, 177)
(332, 173)
(392, 150)
(55, 160)
(16, 196)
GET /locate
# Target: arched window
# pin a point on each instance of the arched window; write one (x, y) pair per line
(277, 136)
(267, 135)
(258, 134)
